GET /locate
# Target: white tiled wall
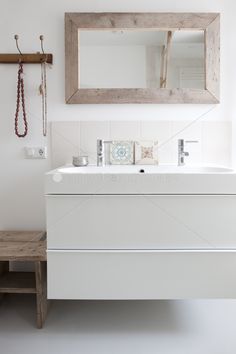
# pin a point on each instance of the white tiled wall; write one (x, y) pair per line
(216, 142)
(65, 138)
(213, 139)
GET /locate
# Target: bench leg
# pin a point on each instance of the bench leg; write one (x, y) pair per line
(4, 267)
(41, 292)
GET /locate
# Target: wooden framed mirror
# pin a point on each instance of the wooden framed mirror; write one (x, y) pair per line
(142, 58)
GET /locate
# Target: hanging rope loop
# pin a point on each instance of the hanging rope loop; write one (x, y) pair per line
(43, 88)
(43, 93)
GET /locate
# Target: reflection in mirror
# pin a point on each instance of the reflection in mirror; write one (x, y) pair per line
(141, 59)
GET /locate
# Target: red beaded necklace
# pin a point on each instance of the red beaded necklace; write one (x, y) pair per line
(20, 98)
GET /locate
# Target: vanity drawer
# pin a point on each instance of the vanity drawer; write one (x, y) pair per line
(141, 274)
(141, 221)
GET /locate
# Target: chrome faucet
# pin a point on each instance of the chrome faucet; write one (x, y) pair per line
(101, 151)
(181, 153)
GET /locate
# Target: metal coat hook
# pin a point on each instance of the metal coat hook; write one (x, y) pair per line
(41, 39)
(17, 45)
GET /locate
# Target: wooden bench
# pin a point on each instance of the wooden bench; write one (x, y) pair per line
(26, 247)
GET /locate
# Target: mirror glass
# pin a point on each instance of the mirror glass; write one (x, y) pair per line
(141, 59)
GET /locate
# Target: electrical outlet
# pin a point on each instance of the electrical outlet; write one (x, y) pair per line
(38, 152)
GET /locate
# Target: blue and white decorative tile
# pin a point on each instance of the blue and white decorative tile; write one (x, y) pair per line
(122, 153)
(146, 152)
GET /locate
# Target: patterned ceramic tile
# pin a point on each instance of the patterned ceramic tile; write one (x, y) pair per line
(122, 153)
(146, 152)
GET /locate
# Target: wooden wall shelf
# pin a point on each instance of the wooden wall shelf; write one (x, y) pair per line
(30, 58)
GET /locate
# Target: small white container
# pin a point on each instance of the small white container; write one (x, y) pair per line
(80, 161)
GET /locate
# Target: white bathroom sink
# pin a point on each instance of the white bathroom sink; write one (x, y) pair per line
(143, 169)
(137, 179)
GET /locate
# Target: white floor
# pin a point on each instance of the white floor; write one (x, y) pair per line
(140, 327)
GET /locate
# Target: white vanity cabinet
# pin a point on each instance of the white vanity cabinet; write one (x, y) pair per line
(134, 246)
(141, 274)
(130, 222)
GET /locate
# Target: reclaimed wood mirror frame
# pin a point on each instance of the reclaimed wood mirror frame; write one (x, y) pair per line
(208, 22)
